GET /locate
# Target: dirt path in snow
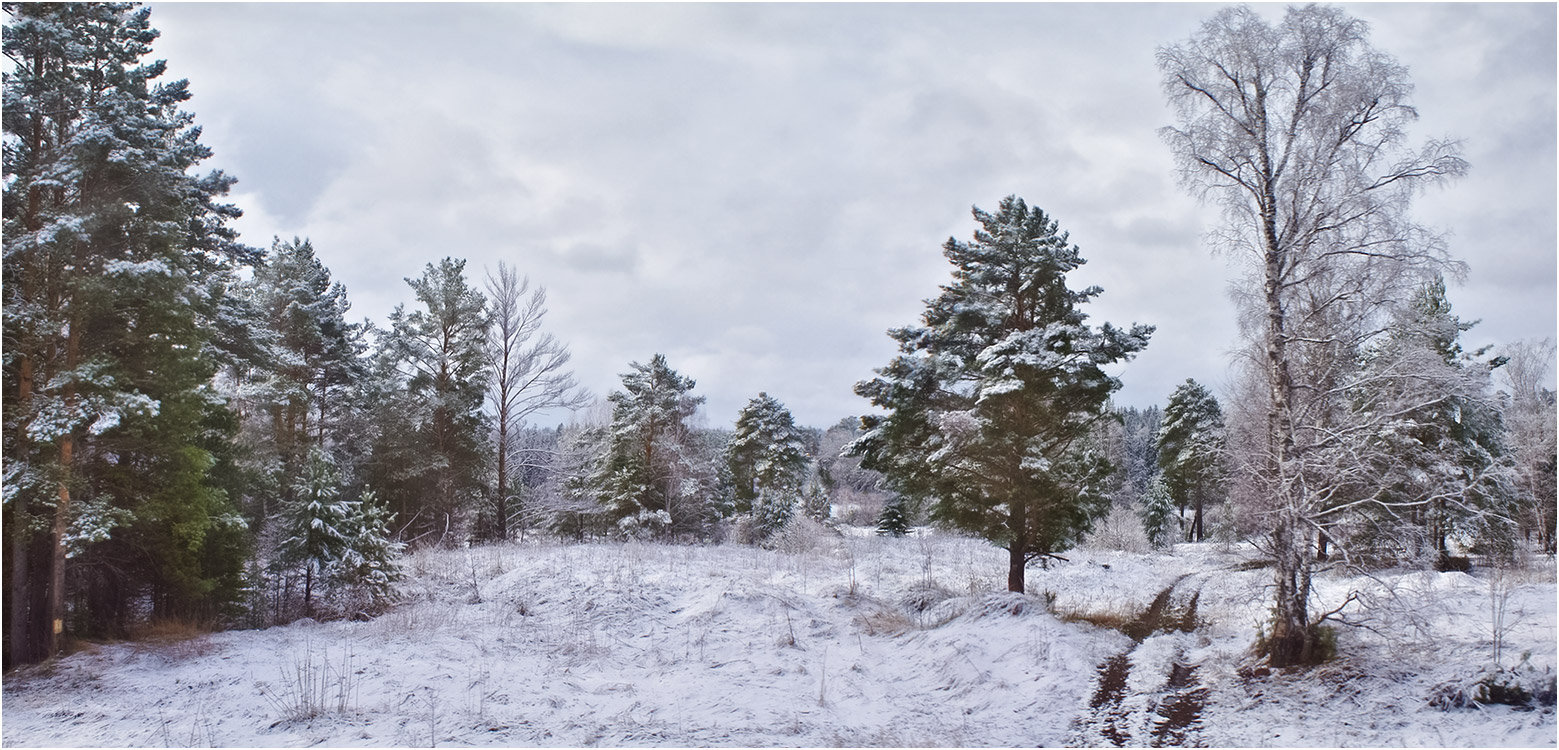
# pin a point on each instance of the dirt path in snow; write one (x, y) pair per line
(1121, 709)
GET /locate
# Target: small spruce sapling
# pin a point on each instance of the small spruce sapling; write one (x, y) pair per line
(893, 521)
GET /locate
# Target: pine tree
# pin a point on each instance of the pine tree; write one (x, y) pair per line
(300, 393)
(116, 256)
(648, 448)
(991, 400)
(1441, 471)
(768, 462)
(1190, 448)
(772, 509)
(430, 463)
(572, 504)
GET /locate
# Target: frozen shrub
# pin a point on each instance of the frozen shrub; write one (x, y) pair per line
(803, 534)
(1121, 529)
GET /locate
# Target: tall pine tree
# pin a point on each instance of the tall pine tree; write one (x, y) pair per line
(116, 255)
(429, 462)
(297, 400)
(992, 399)
(649, 447)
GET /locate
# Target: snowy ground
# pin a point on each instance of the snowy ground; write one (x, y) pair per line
(856, 641)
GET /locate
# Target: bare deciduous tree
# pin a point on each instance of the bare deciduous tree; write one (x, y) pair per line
(1529, 416)
(1297, 131)
(527, 372)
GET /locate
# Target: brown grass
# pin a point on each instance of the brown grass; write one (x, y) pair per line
(1112, 619)
(885, 621)
(169, 629)
(174, 638)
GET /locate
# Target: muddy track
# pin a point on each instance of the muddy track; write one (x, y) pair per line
(1170, 716)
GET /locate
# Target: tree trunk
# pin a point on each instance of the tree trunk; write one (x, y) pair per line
(1291, 546)
(1290, 642)
(501, 523)
(57, 539)
(1017, 559)
(21, 649)
(1015, 569)
(62, 506)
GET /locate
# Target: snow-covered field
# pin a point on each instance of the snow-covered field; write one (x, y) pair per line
(855, 641)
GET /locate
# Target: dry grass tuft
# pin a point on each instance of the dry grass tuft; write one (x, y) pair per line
(1110, 618)
(885, 621)
(173, 638)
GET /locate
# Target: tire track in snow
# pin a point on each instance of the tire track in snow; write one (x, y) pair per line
(1121, 709)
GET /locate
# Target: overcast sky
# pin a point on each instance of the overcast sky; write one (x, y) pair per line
(761, 191)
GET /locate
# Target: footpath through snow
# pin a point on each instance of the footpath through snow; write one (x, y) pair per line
(855, 641)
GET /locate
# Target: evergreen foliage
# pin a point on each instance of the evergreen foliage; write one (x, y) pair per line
(767, 462)
(815, 503)
(648, 471)
(431, 458)
(1190, 450)
(893, 521)
(314, 525)
(116, 257)
(370, 565)
(1159, 518)
(1441, 472)
(299, 388)
(992, 399)
(334, 543)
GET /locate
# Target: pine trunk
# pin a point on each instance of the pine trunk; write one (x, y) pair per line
(57, 540)
(1015, 570)
(16, 624)
(55, 636)
(1017, 552)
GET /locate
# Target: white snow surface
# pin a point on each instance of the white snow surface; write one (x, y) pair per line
(853, 641)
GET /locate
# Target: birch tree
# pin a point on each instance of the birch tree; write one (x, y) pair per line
(1298, 131)
(1530, 417)
(527, 372)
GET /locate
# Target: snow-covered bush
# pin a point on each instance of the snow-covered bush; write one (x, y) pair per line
(802, 534)
(1120, 529)
(645, 525)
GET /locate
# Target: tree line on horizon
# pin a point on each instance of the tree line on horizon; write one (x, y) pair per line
(194, 429)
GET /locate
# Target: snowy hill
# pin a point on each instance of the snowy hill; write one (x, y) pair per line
(856, 641)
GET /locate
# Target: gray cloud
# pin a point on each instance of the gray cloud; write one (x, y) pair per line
(760, 191)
